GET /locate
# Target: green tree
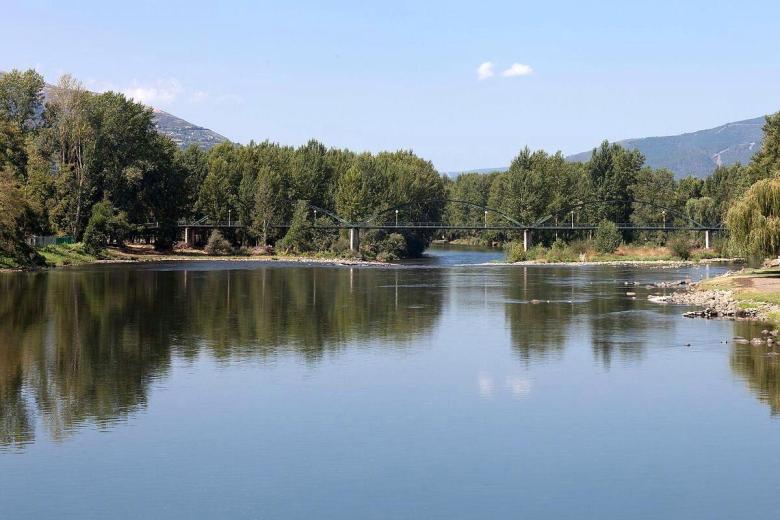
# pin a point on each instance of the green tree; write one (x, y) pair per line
(21, 104)
(653, 191)
(754, 220)
(70, 135)
(726, 185)
(12, 210)
(766, 162)
(21, 97)
(361, 189)
(298, 238)
(702, 210)
(612, 171)
(191, 163)
(269, 202)
(310, 174)
(414, 183)
(607, 237)
(218, 196)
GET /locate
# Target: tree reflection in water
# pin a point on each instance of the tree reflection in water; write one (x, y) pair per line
(82, 347)
(757, 365)
(547, 307)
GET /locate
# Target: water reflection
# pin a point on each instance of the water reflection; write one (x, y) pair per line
(84, 346)
(757, 365)
(78, 347)
(549, 307)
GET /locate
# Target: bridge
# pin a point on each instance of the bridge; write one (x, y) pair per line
(192, 230)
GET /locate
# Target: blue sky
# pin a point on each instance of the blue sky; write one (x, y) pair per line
(404, 75)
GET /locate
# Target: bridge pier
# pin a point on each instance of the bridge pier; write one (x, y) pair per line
(187, 236)
(707, 239)
(526, 239)
(354, 239)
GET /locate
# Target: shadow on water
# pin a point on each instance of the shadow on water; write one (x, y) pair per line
(82, 347)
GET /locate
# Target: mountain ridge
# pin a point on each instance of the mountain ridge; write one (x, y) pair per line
(695, 153)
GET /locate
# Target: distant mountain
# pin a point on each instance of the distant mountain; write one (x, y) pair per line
(185, 133)
(697, 153)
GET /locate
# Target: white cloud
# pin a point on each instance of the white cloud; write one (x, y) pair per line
(485, 70)
(518, 69)
(198, 96)
(162, 91)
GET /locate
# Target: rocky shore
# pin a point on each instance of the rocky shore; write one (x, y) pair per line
(713, 304)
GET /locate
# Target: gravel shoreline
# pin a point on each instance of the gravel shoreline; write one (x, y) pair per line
(715, 304)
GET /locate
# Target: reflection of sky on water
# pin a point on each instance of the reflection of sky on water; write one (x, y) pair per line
(310, 392)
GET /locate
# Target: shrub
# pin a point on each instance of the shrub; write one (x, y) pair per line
(104, 226)
(383, 246)
(560, 251)
(680, 247)
(607, 238)
(581, 247)
(217, 245)
(393, 247)
(514, 252)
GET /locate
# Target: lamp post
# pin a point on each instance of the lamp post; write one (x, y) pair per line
(485, 218)
(230, 211)
(572, 219)
(315, 216)
(663, 213)
(396, 218)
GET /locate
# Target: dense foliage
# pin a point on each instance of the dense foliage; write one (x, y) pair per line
(95, 167)
(106, 226)
(754, 220)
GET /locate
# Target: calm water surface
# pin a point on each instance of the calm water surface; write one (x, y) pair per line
(431, 390)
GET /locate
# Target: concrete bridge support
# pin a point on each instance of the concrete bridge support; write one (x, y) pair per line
(354, 239)
(707, 239)
(526, 239)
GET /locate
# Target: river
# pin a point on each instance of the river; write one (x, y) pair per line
(442, 388)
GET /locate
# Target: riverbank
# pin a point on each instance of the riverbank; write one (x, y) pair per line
(746, 294)
(585, 252)
(669, 263)
(74, 255)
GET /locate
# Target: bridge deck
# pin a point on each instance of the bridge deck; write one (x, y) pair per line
(454, 227)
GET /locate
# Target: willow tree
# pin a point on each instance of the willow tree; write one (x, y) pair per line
(754, 220)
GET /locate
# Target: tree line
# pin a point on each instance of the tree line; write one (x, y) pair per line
(95, 167)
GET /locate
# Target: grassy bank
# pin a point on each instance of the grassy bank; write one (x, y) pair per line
(74, 254)
(70, 254)
(561, 252)
(6, 262)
